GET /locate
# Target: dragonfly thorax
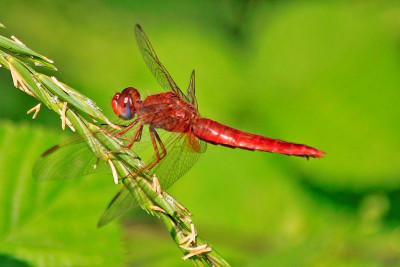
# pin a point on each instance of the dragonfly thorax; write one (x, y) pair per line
(167, 111)
(126, 103)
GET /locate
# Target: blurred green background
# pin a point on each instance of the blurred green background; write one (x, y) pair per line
(323, 73)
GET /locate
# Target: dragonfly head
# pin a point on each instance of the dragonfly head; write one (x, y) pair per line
(124, 103)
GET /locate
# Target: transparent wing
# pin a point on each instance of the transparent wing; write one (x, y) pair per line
(183, 151)
(74, 158)
(154, 64)
(123, 202)
(67, 160)
(191, 91)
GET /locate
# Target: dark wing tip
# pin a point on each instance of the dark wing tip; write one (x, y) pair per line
(36, 169)
(50, 150)
(101, 223)
(138, 27)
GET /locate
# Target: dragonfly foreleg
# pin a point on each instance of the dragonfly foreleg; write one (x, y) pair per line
(135, 137)
(130, 126)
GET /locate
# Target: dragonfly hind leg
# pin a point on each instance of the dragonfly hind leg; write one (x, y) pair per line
(155, 138)
(154, 135)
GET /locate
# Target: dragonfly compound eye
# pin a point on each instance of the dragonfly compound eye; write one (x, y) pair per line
(122, 105)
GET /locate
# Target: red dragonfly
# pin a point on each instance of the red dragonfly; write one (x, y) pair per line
(172, 112)
(175, 112)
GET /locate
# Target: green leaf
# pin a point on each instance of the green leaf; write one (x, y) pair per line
(50, 223)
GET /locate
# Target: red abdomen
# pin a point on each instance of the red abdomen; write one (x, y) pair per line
(217, 133)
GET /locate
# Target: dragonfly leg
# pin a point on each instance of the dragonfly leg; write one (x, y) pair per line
(130, 126)
(153, 133)
(127, 128)
(159, 156)
(107, 131)
(137, 135)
